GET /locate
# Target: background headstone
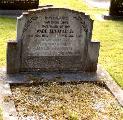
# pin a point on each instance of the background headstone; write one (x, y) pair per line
(18, 4)
(116, 8)
(53, 39)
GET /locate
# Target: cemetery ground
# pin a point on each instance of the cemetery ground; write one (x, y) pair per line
(111, 58)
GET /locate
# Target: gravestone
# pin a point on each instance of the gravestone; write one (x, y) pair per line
(18, 4)
(53, 39)
(115, 10)
(17, 7)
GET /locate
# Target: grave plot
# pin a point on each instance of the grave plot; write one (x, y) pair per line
(53, 58)
(58, 100)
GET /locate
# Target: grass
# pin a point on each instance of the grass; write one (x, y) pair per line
(7, 32)
(111, 52)
(109, 33)
(1, 114)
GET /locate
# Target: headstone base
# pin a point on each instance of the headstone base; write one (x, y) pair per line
(110, 17)
(17, 12)
(101, 76)
(41, 77)
(11, 12)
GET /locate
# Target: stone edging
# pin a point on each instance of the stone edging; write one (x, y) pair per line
(114, 88)
(8, 108)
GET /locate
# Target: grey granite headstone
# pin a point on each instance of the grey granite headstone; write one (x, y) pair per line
(53, 39)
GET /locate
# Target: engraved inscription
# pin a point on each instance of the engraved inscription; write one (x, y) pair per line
(54, 36)
(55, 39)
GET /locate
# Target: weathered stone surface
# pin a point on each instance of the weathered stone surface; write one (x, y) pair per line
(56, 39)
(13, 58)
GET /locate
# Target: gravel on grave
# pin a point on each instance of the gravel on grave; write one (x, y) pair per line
(54, 101)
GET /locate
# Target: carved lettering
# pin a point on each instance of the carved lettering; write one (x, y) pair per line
(42, 31)
(53, 37)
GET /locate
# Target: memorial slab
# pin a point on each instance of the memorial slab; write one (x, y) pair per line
(53, 39)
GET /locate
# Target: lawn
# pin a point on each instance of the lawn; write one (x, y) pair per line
(109, 33)
(0, 114)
